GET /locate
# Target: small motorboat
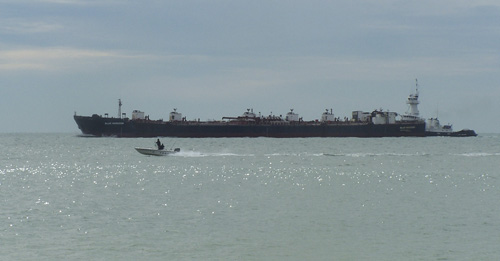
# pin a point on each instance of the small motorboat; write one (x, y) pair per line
(157, 152)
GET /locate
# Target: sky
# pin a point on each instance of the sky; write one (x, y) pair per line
(215, 58)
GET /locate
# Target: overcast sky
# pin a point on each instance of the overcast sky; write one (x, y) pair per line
(215, 58)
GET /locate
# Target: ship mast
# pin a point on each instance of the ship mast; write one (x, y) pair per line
(120, 108)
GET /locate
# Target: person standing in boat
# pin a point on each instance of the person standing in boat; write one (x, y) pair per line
(159, 144)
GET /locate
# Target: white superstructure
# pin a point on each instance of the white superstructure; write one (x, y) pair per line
(291, 116)
(327, 116)
(249, 114)
(137, 115)
(175, 116)
(433, 125)
(383, 117)
(360, 116)
(412, 114)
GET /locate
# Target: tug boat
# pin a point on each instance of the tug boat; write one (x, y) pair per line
(434, 128)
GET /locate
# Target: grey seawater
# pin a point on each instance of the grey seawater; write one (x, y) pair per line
(74, 198)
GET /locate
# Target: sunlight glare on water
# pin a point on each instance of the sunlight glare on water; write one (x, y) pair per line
(249, 198)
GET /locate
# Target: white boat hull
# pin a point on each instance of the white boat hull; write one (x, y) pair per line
(155, 152)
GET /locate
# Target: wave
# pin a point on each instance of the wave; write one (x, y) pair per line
(196, 154)
(359, 155)
(478, 154)
(229, 154)
(294, 154)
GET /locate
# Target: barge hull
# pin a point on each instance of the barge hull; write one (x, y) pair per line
(99, 126)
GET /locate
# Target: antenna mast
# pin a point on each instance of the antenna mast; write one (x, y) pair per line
(120, 108)
(416, 86)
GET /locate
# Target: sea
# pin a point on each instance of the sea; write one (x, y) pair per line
(67, 197)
